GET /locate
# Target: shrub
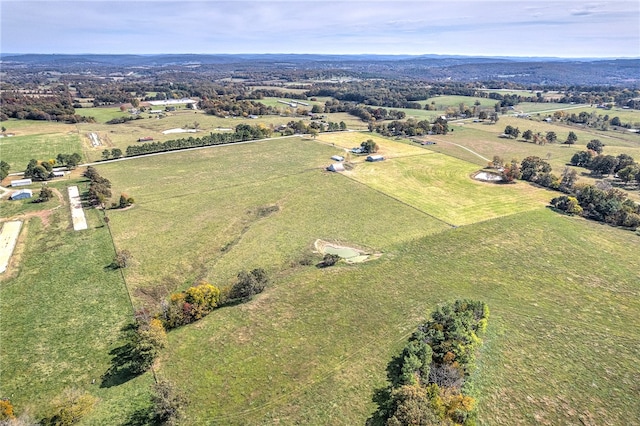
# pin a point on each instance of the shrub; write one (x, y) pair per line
(249, 284)
(167, 403)
(329, 260)
(70, 408)
(6, 410)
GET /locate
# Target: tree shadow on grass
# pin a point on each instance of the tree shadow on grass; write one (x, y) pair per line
(123, 362)
(141, 417)
(382, 396)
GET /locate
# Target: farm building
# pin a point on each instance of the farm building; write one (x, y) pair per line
(145, 139)
(336, 167)
(374, 158)
(337, 158)
(58, 174)
(21, 182)
(21, 194)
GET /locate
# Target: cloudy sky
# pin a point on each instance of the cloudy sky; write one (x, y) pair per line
(561, 28)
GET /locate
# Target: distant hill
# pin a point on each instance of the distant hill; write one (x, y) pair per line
(549, 71)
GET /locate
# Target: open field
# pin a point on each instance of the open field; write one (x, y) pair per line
(44, 141)
(564, 292)
(386, 146)
(313, 347)
(102, 114)
(61, 313)
(441, 186)
(446, 101)
(225, 234)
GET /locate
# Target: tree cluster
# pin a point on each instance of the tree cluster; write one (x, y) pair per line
(623, 165)
(4, 169)
(608, 205)
(604, 203)
(243, 132)
(231, 106)
(43, 170)
(411, 127)
(114, 153)
(199, 300)
(427, 380)
(369, 147)
(54, 107)
(120, 120)
(39, 170)
(99, 187)
(538, 138)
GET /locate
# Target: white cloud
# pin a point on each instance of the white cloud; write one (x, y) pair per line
(499, 27)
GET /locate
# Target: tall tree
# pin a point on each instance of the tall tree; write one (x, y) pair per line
(595, 145)
(571, 138)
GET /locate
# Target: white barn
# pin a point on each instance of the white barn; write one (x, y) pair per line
(336, 167)
(21, 182)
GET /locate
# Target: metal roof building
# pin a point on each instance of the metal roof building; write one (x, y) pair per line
(21, 194)
(21, 182)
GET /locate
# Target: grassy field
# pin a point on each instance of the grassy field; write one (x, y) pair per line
(562, 342)
(447, 101)
(103, 114)
(61, 315)
(39, 140)
(313, 347)
(226, 234)
(441, 186)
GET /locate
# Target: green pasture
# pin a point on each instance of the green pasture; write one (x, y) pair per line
(626, 115)
(525, 93)
(441, 186)
(224, 187)
(314, 346)
(102, 114)
(454, 101)
(61, 315)
(274, 103)
(545, 108)
(386, 146)
(18, 150)
(283, 89)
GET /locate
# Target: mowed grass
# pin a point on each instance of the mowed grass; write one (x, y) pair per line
(561, 345)
(102, 114)
(199, 211)
(386, 147)
(62, 311)
(442, 187)
(454, 101)
(54, 139)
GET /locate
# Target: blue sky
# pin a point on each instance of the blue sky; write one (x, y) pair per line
(562, 28)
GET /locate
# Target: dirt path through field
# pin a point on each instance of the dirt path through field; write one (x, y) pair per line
(42, 214)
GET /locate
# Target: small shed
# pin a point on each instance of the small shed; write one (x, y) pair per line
(336, 167)
(337, 158)
(21, 194)
(58, 174)
(21, 182)
(374, 158)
